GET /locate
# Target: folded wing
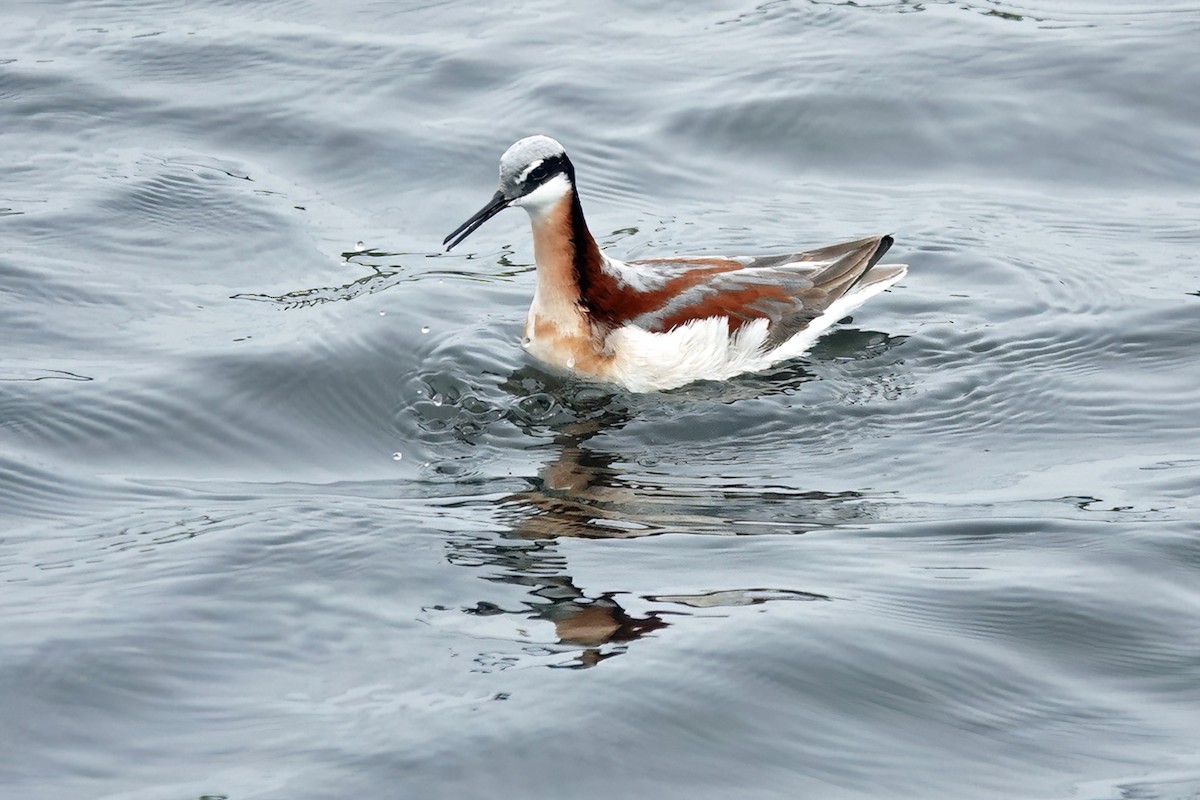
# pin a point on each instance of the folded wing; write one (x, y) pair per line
(788, 290)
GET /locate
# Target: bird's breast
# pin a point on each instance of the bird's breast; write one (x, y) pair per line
(569, 344)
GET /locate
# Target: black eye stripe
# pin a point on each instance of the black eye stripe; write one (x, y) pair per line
(551, 166)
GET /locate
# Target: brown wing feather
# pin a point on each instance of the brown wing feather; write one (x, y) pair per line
(789, 290)
(614, 302)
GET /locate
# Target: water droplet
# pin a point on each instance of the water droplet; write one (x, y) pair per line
(526, 341)
(397, 456)
(360, 247)
(424, 329)
(571, 362)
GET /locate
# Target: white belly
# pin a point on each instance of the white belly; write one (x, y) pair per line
(703, 349)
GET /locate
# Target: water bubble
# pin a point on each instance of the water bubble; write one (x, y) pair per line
(437, 400)
(359, 246)
(424, 329)
(526, 341)
(383, 313)
(473, 405)
(536, 406)
(571, 362)
(397, 456)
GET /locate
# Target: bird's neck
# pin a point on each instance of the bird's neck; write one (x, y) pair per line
(568, 262)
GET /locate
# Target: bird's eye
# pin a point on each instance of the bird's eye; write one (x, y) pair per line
(537, 174)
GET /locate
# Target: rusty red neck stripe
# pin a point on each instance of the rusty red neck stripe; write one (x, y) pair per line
(588, 263)
(608, 301)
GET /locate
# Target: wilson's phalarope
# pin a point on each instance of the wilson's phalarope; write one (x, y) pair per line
(660, 323)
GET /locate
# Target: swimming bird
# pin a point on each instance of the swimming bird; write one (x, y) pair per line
(656, 324)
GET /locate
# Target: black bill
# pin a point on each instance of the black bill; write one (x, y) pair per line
(497, 204)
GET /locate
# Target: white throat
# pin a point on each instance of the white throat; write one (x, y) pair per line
(541, 200)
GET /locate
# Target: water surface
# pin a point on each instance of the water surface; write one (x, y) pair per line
(285, 512)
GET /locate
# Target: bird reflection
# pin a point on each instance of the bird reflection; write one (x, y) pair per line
(589, 629)
(564, 500)
(586, 491)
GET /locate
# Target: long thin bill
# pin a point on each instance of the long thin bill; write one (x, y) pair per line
(497, 204)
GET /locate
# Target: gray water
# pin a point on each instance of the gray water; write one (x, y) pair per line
(285, 512)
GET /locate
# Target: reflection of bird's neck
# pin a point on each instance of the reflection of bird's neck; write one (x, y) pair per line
(578, 469)
(570, 494)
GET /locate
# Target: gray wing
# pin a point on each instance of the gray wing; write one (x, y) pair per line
(788, 290)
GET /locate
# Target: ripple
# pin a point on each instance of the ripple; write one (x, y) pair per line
(34, 491)
(382, 278)
(951, 552)
(44, 375)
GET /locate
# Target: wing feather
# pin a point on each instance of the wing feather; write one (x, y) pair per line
(788, 290)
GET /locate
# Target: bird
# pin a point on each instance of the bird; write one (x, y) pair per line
(656, 324)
